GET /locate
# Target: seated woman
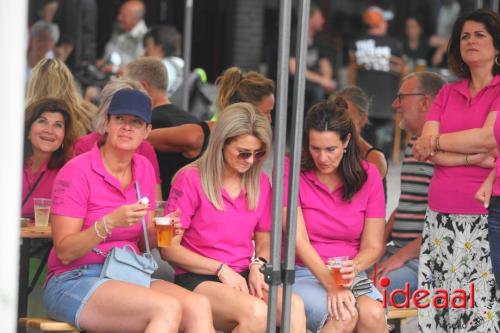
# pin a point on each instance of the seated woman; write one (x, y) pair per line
(341, 213)
(225, 201)
(94, 209)
(87, 142)
(47, 147)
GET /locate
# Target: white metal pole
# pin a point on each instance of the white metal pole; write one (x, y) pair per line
(13, 29)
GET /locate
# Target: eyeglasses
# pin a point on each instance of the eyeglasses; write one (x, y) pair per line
(257, 155)
(400, 95)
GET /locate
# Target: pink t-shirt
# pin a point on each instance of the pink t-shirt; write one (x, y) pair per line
(452, 189)
(335, 226)
(84, 189)
(42, 190)
(224, 235)
(496, 129)
(87, 142)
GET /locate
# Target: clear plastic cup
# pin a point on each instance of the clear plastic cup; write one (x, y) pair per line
(42, 211)
(160, 208)
(334, 265)
(164, 230)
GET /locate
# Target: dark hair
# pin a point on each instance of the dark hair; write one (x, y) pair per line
(167, 37)
(313, 8)
(491, 22)
(33, 112)
(233, 86)
(332, 116)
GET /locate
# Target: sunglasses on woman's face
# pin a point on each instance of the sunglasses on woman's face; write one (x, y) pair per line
(245, 155)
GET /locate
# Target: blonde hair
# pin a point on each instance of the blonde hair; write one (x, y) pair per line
(236, 120)
(51, 78)
(233, 86)
(107, 93)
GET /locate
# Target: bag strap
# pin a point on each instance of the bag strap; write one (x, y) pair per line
(144, 226)
(32, 189)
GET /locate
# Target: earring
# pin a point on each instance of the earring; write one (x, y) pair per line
(62, 145)
(497, 60)
(345, 150)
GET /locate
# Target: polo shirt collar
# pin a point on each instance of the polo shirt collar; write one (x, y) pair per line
(43, 167)
(311, 176)
(462, 86)
(98, 166)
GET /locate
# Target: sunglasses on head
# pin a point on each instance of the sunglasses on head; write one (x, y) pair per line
(257, 155)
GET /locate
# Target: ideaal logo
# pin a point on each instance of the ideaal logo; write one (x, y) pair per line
(422, 298)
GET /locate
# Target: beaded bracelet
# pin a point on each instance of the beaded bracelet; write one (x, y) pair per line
(105, 224)
(98, 233)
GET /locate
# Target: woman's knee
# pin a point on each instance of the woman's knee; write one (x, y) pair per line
(197, 305)
(372, 315)
(167, 306)
(256, 314)
(340, 326)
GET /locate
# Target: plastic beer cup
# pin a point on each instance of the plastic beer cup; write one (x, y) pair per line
(335, 264)
(164, 230)
(42, 211)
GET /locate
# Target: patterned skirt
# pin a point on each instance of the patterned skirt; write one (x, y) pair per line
(455, 253)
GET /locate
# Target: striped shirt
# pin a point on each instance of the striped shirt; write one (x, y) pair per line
(410, 213)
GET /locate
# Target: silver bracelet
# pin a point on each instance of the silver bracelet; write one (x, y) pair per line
(98, 233)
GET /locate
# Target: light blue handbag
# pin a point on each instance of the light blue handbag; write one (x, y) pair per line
(125, 265)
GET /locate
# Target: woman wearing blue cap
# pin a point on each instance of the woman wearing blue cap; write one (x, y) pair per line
(95, 208)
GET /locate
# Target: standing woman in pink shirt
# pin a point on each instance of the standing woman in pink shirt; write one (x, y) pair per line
(224, 200)
(341, 213)
(48, 143)
(455, 252)
(94, 209)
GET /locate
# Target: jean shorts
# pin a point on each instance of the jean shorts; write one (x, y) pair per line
(66, 293)
(314, 296)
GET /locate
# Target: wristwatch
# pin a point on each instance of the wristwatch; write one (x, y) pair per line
(258, 260)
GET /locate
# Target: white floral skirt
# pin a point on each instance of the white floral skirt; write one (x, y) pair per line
(455, 253)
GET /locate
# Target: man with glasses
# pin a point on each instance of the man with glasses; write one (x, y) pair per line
(404, 229)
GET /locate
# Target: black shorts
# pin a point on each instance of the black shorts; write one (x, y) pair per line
(190, 281)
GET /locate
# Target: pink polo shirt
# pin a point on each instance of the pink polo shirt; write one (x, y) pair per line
(496, 130)
(87, 142)
(84, 189)
(452, 189)
(334, 226)
(224, 235)
(42, 190)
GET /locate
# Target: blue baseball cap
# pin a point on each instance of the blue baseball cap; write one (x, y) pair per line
(131, 102)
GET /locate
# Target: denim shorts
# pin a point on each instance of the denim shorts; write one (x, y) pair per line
(314, 296)
(66, 293)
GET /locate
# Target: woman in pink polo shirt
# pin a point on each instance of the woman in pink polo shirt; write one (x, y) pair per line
(95, 208)
(87, 142)
(47, 147)
(341, 213)
(455, 251)
(225, 202)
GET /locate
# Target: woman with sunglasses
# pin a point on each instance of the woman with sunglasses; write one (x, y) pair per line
(224, 201)
(94, 209)
(341, 213)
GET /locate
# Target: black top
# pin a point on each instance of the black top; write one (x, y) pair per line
(423, 51)
(374, 52)
(170, 115)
